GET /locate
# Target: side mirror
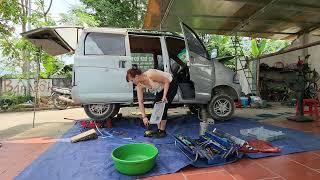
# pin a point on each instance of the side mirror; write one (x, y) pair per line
(214, 53)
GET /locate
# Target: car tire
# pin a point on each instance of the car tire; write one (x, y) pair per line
(101, 112)
(221, 107)
(115, 111)
(59, 104)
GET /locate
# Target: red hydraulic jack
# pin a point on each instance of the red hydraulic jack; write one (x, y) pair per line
(100, 124)
(91, 124)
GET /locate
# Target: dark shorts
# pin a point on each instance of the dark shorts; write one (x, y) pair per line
(172, 91)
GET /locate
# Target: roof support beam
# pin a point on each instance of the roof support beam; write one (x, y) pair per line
(230, 31)
(284, 5)
(242, 19)
(242, 31)
(240, 26)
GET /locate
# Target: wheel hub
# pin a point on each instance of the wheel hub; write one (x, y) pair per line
(98, 109)
(222, 107)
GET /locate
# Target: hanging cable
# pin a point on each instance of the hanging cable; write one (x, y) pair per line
(101, 134)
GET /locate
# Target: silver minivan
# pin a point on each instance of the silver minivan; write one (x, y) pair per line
(103, 56)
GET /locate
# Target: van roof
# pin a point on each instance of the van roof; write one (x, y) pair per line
(132, 31)
(112, 30)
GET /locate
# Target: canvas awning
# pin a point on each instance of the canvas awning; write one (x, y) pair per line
(277, 19)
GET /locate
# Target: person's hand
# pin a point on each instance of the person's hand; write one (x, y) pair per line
(164, 99)
(145, 121)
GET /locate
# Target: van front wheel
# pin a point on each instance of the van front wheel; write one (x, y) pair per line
(221, 107)
(101, 112)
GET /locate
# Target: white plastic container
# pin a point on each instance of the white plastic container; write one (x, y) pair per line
(263, 134)
(203, 128)
(157, 112)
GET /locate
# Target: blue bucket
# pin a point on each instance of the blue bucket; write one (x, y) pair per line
(244, 101)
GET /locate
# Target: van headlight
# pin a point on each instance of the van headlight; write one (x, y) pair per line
(236, 78)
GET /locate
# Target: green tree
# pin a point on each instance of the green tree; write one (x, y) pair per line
(14, 60)
(19, 54)
(118, 13)
(222, 43)
(258, 47)
(40, 16)
(9, 15)
(79, 16)
(246, 46)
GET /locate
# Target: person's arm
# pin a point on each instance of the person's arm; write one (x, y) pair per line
(155, 76)
(141, 104)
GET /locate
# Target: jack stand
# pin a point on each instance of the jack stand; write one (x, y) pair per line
(299, 86)
(300, 117)
(204, 123)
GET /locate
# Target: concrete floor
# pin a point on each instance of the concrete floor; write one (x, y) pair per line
(21, 144)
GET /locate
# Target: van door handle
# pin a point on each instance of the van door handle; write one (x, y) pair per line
(122, 64)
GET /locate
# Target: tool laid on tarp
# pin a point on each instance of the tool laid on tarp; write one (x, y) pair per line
(234, 139)
(87, 135)
(148, 132)
(214, 147)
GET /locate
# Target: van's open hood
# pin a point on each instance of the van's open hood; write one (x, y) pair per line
(55, 40)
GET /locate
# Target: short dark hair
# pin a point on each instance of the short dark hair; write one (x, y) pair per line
(133, 72)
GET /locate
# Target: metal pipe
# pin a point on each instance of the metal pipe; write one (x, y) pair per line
(240, 26)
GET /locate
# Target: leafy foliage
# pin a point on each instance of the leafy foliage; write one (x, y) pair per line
(19, 54)
(222, 43)
(9, 15)
(12, 49)
(79, 16)
(118, 13)
(10, 99)
(251, 48)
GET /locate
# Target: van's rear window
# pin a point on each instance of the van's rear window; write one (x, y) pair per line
(105, 44)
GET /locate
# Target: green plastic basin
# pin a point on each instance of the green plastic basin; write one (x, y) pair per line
(134, 159)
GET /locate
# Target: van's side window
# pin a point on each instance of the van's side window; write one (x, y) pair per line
(194, 43)
(105, 44)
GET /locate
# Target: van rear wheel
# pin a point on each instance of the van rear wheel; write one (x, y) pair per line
(221, 107)
(101, 112)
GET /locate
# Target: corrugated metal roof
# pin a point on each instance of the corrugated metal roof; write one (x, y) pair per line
(277, 19)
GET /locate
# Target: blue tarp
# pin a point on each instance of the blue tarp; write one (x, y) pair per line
(92, 159)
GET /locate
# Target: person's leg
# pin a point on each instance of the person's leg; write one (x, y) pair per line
(163, 125)
(170, 96)
(157, 99)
